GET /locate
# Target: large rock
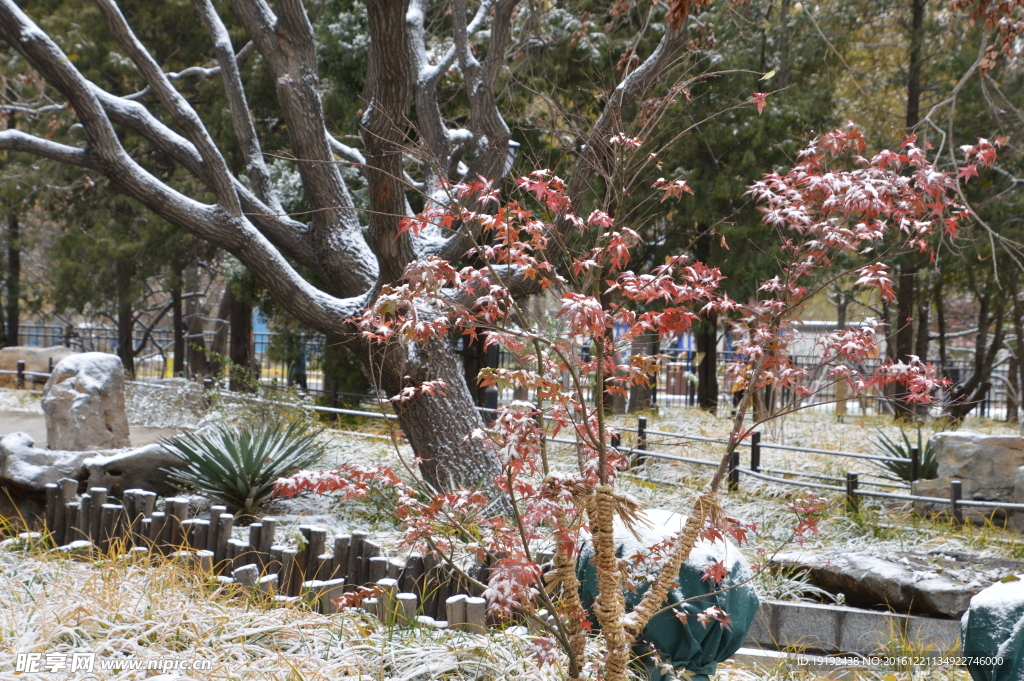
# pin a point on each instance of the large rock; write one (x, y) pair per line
(139, 468)
(36, 360)
(985, 464)
(84, 403)
(27, 468)
(939, 584)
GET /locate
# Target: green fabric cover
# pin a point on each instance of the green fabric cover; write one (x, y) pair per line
(993, 628)
(691, 645)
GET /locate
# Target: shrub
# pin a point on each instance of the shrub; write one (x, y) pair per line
(238, 467)
(929, 465)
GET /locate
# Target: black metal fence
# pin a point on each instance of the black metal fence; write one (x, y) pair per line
(291, 360)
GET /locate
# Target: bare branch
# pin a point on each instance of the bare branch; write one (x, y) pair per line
(255, 168)
(178, 106)
(598, 152)
(16, 140)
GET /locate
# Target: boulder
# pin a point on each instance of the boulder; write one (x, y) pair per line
(940, 584)
(28, 468)
(985, 464)
(139, 468)
(84, 403)
(35, 359)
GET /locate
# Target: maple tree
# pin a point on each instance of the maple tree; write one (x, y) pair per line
(834, 201)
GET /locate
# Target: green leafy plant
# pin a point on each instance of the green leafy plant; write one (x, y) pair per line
(238, 466)
(886, 446)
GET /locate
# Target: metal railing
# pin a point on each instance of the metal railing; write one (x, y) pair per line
(289, 359)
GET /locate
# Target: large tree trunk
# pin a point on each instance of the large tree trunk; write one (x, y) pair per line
(13, 278)
(437, 426)
(178, 322)
(125, 316)
(242, 370)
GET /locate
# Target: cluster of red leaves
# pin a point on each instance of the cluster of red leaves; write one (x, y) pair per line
(837, 202)
(808, 509)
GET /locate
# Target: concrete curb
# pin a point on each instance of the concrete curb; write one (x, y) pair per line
(813, 627)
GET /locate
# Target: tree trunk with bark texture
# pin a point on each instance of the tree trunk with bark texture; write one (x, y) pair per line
(242, 370)
(969, 394)
(705, 335)
(641, 395)
(178, 322)
(123, 273)
(13, 278)
(904, 334)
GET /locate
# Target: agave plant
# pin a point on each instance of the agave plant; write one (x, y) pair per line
(928, 467)
(238, 467)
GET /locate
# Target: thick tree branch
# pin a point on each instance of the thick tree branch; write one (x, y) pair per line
(16, 140)
(103, 152)
(345, 262)
(180, 109)
(388, 93)
(289, 235)
(255, 168)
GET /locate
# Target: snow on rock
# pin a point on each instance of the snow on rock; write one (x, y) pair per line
(84, 403)
(937, 584)
(24, 465)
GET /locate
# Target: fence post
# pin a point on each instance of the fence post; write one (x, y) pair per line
(851, 491)
(734, 470)
(955, 495)
(21, 375)
(915, 463)
(50, 370)
(755, 452)
(616, 440)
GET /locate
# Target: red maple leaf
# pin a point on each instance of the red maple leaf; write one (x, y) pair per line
(758, 99)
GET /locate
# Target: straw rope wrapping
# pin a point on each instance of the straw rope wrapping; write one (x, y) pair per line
(610, 606)
(706, 506)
